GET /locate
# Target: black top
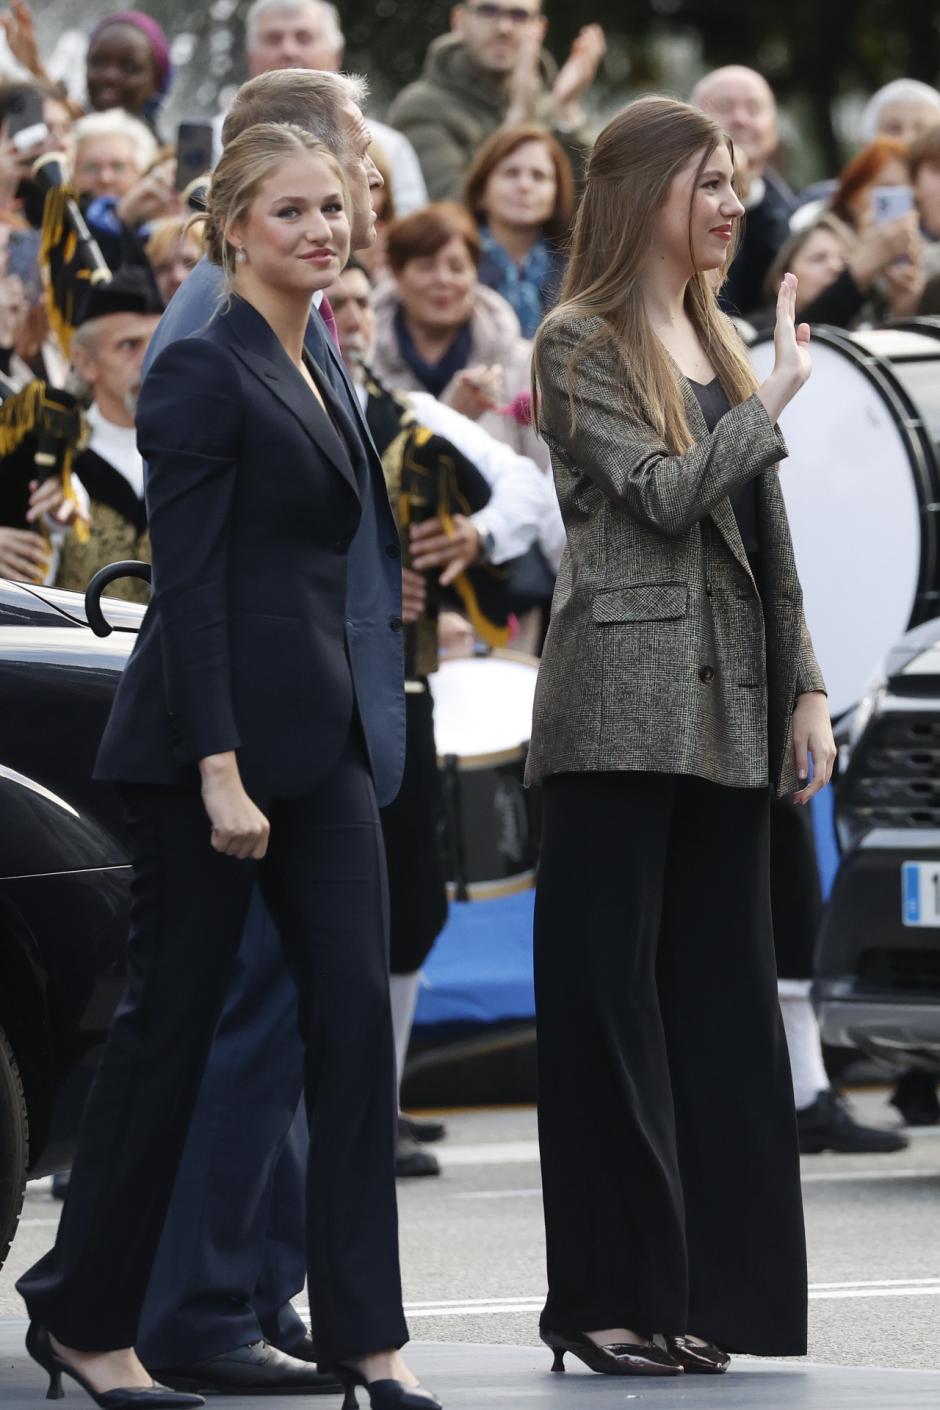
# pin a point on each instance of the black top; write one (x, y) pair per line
(714, 402)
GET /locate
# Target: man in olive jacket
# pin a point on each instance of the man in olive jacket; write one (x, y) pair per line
(489, 72)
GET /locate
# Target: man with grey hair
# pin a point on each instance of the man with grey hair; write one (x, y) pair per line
(307, 34)
(903, 109)
(218, 1315)
(742, 101)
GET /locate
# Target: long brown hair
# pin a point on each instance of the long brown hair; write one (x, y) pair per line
(630, 171)
(501, 145)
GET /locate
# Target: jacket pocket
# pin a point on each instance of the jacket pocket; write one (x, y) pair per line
(643, 602)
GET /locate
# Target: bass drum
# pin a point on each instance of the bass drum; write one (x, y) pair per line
(862, 489)
(482, 726)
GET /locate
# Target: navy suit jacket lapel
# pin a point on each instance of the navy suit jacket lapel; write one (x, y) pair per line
(254, 342)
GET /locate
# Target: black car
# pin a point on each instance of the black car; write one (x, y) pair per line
(878, 960)
(64, 875)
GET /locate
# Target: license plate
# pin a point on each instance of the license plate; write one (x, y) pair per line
(920, 893)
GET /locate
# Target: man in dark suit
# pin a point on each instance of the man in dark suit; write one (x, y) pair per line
(218, 1310)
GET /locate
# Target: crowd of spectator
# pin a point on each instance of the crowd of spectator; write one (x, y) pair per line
(482, 158)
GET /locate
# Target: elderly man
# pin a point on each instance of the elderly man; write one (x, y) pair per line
(492, 71)
(306, 34)
(108, 351)
(743, 102)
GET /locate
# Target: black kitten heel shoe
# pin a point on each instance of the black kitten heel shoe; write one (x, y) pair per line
(618, 1359)
(707, 1360)
(156, 1398)
(383, 1395)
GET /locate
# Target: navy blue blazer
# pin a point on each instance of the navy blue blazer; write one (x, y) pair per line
(374, 579)
(254, 499)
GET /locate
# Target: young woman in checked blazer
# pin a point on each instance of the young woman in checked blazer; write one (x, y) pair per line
(678, 693)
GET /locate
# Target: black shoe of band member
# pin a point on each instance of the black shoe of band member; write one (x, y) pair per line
(915, 1097)
(422, 1129)
(828, 1125)
(618, 1359)
(411, 1159)
(698, 1360)
(257, 1369)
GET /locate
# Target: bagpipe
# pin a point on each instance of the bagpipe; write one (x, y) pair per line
(41, 427)
(429, 478)
(71, 262)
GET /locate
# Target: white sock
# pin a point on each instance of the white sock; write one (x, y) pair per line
(803, 1043)
(403, 989)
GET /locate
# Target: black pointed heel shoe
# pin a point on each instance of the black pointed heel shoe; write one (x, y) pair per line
(156, 1398)
(618, 1359)
(383, 1395)
(707, 1360)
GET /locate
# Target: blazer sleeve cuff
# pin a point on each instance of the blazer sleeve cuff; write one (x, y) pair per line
(192, 742)
(776, 446)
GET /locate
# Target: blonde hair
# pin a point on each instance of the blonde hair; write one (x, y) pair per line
(165, 235)
(630, 171)
(246, 162)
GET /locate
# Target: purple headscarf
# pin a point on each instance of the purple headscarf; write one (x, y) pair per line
(148, 27)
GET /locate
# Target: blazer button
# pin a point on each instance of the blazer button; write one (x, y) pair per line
(393, 550)
(706, 674)
(341, 545)
(395, 623)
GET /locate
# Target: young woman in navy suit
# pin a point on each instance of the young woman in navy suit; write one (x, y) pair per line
(236, 741)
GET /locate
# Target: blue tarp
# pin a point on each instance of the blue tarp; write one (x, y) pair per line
(480, 970)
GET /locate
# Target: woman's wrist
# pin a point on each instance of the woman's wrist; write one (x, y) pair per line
(218, 766)
(778, 389)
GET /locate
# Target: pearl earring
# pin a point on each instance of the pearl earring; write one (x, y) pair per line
(241, 256)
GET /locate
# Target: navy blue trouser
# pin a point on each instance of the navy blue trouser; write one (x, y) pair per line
(231, 1254)
(325, 883)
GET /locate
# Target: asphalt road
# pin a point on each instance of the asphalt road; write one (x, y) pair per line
(472, 1248)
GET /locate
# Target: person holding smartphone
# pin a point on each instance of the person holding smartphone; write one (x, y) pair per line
(874, 194)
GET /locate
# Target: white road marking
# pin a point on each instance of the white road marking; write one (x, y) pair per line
(499, 1194)
(809, 1177)
(820, 1176)
(489, 1153)
(818, 1292)
(513, 1152)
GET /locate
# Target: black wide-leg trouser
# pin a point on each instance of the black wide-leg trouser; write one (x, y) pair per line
(324, 881)
(670, 1165)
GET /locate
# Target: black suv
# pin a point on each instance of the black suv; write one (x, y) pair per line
(878, 961)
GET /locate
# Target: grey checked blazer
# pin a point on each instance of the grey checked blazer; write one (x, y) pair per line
(660, 655)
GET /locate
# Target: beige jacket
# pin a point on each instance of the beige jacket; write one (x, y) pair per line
(495, 337)
(660, 655)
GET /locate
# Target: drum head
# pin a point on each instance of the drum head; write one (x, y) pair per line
(852, 495)
(483, 707)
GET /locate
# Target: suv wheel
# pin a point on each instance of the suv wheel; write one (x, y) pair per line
(14, 1145)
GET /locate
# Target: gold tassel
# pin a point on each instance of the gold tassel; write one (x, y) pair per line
(19, 415)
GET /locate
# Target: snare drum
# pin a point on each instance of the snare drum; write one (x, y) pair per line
(482, 725)
(862, 489)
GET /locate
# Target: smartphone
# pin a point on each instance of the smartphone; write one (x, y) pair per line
(891, 202)
(23, 260)
(194, 152)
(26, 124)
